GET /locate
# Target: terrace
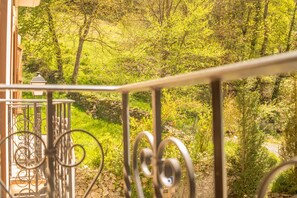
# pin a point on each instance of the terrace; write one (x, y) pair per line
(46, 156)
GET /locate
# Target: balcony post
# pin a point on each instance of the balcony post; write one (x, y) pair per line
(157, 131)
(71, 170)
(10, 145)
(50, 147)
(69, 116)
(36, 144)
(218, 141)
(126, 143)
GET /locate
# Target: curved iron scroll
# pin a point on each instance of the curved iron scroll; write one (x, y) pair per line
(269, 177)
(169, 170)
(59, 140)
(26, 158)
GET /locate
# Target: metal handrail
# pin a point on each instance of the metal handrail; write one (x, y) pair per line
(270, 65)
(214, 76)
(59, 88)
(34, 101)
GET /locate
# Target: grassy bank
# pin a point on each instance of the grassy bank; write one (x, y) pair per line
(108, 134)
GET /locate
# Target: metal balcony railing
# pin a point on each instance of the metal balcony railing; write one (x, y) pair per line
(166, 173)
(27, 137)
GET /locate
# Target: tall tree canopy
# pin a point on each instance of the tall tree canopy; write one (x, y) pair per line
(116, 42)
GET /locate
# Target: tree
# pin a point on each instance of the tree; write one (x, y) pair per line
(86, 13)
(251, 159)
(279, 78)
(36, 40)
(169, 37)
(250, 29)
(55, 40)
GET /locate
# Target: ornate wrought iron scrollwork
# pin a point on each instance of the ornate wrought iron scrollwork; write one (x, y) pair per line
(69, 163)
(169, 170)
(26, 160)
(24, 155)
(269, 177)
(146, 159)
(29, 163)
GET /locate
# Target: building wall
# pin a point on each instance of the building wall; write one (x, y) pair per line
(3, 61)
(10, 68)
(6, 64)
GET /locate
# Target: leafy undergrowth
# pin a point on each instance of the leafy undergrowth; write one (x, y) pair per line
(109, 136)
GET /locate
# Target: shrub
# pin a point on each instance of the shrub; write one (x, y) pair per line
(251, 159)
(286, 183)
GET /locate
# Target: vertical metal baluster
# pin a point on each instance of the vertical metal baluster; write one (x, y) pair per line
(50, 148)
(126, 143)
(64, 147)
(69, 116)
(218, 140)
(28, 117)
(39, 146)
(27, 143)
(10, 144)
(39, 131)
(60, 119)
(56, 134)
(72, 169)
(26, 128)
(64, 155)
(36, 131)
(157, 129)
(59, 168)
(25, 117)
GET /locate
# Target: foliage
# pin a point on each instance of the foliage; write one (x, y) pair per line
(108, 134)
(289, 143)
(202, 142)
(251, 160)
(117, 42)
(286, 182)
(249, 29)
(165, 40)
(231, 122)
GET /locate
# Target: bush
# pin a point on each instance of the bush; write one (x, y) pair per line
(286, 183)
(251, 159)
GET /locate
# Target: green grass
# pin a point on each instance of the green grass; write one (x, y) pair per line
(97, 127)
(140, 104)
(108, 134)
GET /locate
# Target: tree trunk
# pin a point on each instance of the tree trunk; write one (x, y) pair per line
(85, 28)
(77, 61)
(57, 47)
(259, 83)
(265, 40)
(291, 29)
(276, 86)
(256, 28)
(279, 78)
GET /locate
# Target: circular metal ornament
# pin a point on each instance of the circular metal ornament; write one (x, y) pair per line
(173, 167)
(145, 159)
(146, 156)
(170, 172)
